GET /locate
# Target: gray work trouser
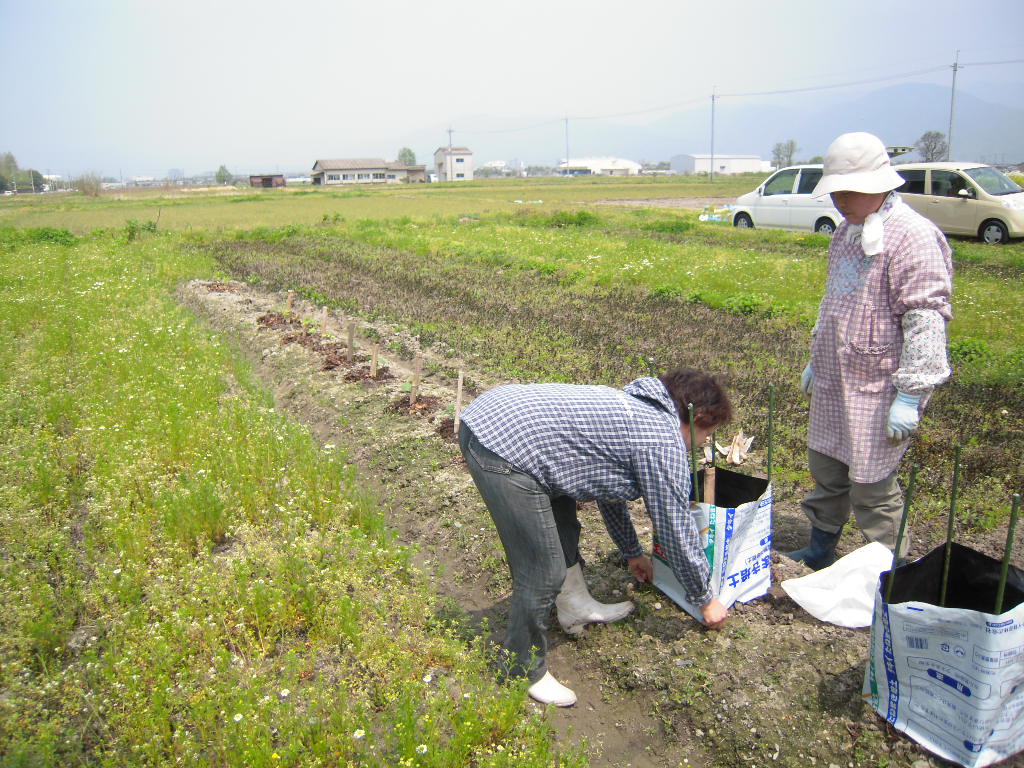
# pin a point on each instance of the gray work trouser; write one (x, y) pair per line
(540, 534)
(877, 507)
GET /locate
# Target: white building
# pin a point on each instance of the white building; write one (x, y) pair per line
(690, 164)
(453, 164)
(364, 170)
(598, 166)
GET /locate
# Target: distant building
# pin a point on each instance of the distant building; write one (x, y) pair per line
(267, 180)
(725, 164)
(453, 164)
(598, 166)
(370, 170)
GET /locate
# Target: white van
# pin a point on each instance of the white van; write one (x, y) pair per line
(784, 200)
(965, 199)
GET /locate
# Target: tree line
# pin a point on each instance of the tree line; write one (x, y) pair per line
(14, 179)
(931, 147)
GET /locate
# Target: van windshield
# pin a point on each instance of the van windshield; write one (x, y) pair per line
(992, 181)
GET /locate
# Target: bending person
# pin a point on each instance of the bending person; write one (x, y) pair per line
(535, 450)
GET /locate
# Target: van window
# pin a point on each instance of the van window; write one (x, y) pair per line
(992, 181)
(781, 183)
(809, 178)
(948, 183)
(914, 183)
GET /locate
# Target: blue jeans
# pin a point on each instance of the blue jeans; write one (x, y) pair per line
(540, 535)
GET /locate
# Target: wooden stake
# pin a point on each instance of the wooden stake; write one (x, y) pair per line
(709, 484)
(351, 340)
(323, 321)
(417, 372)
(291, 302)
(373, 361)
(458, 400)
(709, 471)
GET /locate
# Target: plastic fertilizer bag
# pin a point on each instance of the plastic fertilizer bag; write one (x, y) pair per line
(737, 537)
(951, 678)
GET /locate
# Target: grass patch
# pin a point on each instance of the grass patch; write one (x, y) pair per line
(187, 576)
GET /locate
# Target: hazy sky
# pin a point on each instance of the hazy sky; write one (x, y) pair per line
(142, 86)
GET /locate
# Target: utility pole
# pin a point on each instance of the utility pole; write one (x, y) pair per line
(952, 103)
(712, 133)
(567, 146)
(448, 163)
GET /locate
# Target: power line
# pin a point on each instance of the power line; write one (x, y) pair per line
(777, 92)
(642, 111)
(590, 117)
(838, 85)
(515, 130)
(987, 63)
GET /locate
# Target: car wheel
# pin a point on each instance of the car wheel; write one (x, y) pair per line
(743, 221)
(993, 231)
(825, 226)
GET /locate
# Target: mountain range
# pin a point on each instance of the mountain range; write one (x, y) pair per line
(987, 127)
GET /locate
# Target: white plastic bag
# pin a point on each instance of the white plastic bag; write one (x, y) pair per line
(843, 593)
(737, 533)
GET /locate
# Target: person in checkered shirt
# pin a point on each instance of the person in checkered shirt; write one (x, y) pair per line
(878, 348)
(535, 450)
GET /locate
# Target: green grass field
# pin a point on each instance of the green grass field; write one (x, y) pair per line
(180, 210)
(187, 576)
(776, 272)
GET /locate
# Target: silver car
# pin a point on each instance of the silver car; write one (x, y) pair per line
(784, 200)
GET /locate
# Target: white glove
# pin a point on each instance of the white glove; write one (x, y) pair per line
(903, 417)
(807, 380)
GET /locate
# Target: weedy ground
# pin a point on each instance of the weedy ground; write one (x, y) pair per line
(775, 687)
(189, 572)
(186, 576)
(517, 316)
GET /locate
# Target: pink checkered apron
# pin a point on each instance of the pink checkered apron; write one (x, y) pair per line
(859, 338)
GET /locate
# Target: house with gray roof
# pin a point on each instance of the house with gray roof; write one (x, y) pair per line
(371, 170)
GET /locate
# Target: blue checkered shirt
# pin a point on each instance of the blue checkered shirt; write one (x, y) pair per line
(607, 445)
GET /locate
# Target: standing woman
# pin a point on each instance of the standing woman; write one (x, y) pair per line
(535, 450)
(878, 349)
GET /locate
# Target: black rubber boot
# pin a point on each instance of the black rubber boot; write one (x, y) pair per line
(820, 553)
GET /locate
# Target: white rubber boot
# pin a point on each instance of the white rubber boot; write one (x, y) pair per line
(547, 690)
(576, 608)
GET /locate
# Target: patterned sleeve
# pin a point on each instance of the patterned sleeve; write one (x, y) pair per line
(665, 485)
(921, 272)
(620, 527)
(923, 363)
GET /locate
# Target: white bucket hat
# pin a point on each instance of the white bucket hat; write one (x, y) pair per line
(857, 162)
